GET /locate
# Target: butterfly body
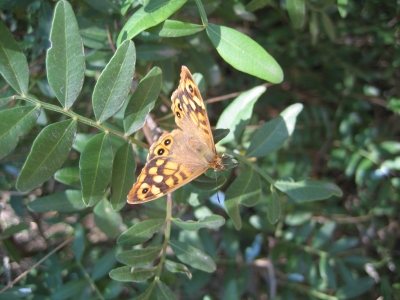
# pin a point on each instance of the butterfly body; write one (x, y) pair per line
(180, 156)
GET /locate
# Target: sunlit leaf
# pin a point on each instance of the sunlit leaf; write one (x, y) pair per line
(66, 201)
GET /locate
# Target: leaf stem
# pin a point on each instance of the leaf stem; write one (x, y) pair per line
(82, 119)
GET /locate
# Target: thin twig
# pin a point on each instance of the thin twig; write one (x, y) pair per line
(36, 264)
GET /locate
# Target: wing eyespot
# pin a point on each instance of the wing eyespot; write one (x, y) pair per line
(167, 142)
(178, 114)
(190, 88)
(145, 190)
(160, 151)
(180, 106)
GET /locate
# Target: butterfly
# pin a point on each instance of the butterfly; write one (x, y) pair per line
(183, 154)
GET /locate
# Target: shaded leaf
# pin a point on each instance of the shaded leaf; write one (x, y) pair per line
(65, 60)
(95, 167)
(123, 175)
(213, 222)
(193, 256)
(297, 12)
(246, 190)
(15, 122)
(139, 258)
(66, 201)
(308, 190)
(107, 219)
(49, 151)
(114, 82)
(127, 274)
(15, 229)
(163, 292)
(69, 175)
(13, 63)
(149, 52)
(105, 263)
(140, 232)
(142, 101)
(172, 28)
(206, 183)
(274, 207)
(175, 267)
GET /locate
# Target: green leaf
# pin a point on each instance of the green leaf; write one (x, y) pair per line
(328, 26)
(5, 100)
(126, 274)
(308, 190)
(142, 101)
(271, 136)
(69, 175)
(15, 122)
(172, 28)
(257, 4)
(150, 52)
(213, 222)
(13, 63)
(147, 293)
(123, 175)
(139, 258)
(95, 167)
(49, 151)
(243, 53)
(219, 134)
(148, 16)
(105, 263)
(15, 229)
(274, 207)
(175, 267)
(140, 232)
(343, 7)
(343, 244)
(11, 250)
(238, 113)
(297, 12)
(163, 292)
(246, 190)
(70, 289)
(205, 183)
(193, 256)
(107, 219)
(114, 82)
(63, 202)
(78, 244)
(65, 60)
(348, 291)
(314, 28)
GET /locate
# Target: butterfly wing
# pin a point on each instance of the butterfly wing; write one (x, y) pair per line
(189, 110)
(172, 162)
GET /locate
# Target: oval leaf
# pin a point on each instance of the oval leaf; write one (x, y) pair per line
(140, 232)
(107, 219)
(126, 274)
(213, 222)
(172, 28)
(246, 190)
(142, 101)
(13, 63)
(163, 292)
(14, 123)
(123, 175)
(193, 256)
(67, 201)
(49, 151)
(244, 54)
(65, 61)
(297, 12)
(150, 15)
(69, 175)
(175, 267)
(95, 167)
(105, 263)
(271, 136)
(238, 113)
(114, 82)
(139, 258)
(205, 183)
(155, 52)
(308, 190)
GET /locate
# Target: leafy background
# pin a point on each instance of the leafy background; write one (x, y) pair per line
(337, 108)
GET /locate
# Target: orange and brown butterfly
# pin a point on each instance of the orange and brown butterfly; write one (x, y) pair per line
(180, 156)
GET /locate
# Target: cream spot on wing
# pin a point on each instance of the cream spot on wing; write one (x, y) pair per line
(169, 181)
(159, 162)
(193, 105)
(171, 165)
(169, 171)
(158, 178)
(155, 190)
(199, 103)
(193, 117)
(153, 170)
